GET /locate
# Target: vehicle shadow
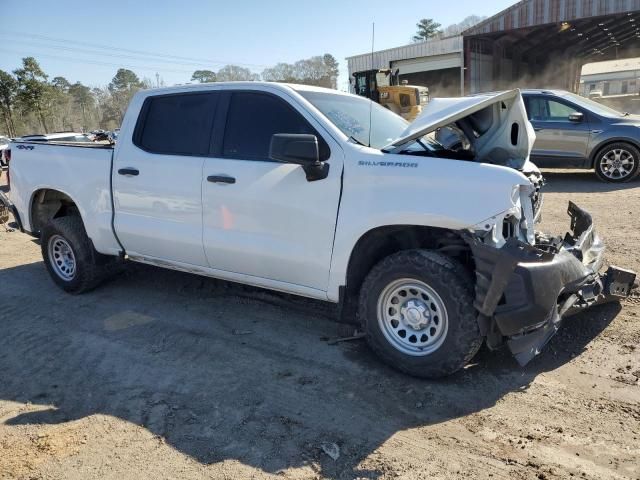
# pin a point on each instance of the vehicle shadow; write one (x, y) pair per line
(581, 181)
(222, 371)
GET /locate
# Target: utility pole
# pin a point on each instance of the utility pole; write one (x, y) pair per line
(157, 80)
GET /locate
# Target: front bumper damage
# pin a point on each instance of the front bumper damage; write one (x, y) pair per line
(523, 290)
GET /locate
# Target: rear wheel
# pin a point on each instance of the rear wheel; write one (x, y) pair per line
(617, 163)
(417, 309)
(69, 256)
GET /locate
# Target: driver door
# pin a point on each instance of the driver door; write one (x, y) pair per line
(263, 218)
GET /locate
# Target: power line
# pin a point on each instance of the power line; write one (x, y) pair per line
(115, 55)
(95, 62)
(127, 50)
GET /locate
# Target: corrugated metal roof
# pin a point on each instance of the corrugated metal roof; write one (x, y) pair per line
(383, 58)
(623, 65)
(530, 13)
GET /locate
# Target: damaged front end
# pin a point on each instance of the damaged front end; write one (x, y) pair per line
(525, 286)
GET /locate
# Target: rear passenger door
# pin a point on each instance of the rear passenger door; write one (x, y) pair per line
(263, 218)
(559, 141)
(157, 178)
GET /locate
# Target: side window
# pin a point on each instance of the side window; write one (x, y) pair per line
(538, 108)
(544, 109)
(559, 111)
(254, 117)
(178, 124)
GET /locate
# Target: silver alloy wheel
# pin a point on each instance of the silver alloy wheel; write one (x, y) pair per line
(412, 317)
(617, 164)
(62, 258)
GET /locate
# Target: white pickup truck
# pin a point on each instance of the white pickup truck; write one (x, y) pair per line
(431, 250)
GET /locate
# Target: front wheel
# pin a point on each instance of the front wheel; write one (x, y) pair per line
(416, 307)
(617, 163)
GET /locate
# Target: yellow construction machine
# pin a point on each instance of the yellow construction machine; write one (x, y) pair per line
(405, 100)
(383, 87)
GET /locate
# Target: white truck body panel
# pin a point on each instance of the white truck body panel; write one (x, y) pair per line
(425, 191)
(155, 206)
(249, 227)
(272, 223)
(82, 173)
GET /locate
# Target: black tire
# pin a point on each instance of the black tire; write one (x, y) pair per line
(452, 283)
(612, 176)
(89, 272)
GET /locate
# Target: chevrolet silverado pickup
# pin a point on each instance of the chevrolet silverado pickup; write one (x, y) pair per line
(430, 250)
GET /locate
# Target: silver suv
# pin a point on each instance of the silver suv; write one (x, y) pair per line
(575, 132)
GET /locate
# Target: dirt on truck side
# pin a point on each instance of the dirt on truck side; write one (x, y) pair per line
(160, 374)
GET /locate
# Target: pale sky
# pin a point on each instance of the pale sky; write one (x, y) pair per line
(63, 35)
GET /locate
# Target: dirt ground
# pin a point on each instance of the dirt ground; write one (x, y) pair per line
(159, 374)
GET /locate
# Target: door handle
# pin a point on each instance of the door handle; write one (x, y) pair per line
(220, 179)
(129, 171)
(537, 129)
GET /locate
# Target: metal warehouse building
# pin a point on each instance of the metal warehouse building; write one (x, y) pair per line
(534, 43)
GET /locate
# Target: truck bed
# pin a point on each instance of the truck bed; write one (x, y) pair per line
(80, 171)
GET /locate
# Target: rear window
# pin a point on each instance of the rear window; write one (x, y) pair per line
(178, 124)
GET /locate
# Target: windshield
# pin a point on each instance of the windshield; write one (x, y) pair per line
(352, 114)
(593, 106)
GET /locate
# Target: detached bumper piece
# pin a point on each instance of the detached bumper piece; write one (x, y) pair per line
(523, 291)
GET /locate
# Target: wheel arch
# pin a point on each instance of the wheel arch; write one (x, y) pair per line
(610, 141)
(380, 242)
(48, 203)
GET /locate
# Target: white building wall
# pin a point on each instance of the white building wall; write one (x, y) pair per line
(611, 83)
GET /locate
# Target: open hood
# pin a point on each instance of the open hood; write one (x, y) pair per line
(495, 125)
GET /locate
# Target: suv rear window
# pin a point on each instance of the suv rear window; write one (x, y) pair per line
(177, 124)
(254, 117)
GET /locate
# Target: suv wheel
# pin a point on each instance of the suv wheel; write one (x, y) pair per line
(416, 307)
(617, 163)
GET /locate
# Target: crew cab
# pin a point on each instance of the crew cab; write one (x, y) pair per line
(330, 196)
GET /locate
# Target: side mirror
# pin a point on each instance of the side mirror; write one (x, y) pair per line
(301, 149)
(576, 117)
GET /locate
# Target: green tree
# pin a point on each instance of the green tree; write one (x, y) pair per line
(8, 91)
(203, 76)
(333, 69)
(458, 28)
(82, 96)
(123, 86)
(234, 73)
(281, 72)
(319, 70)
(34, 92)
(427, 28)
(61, 84)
